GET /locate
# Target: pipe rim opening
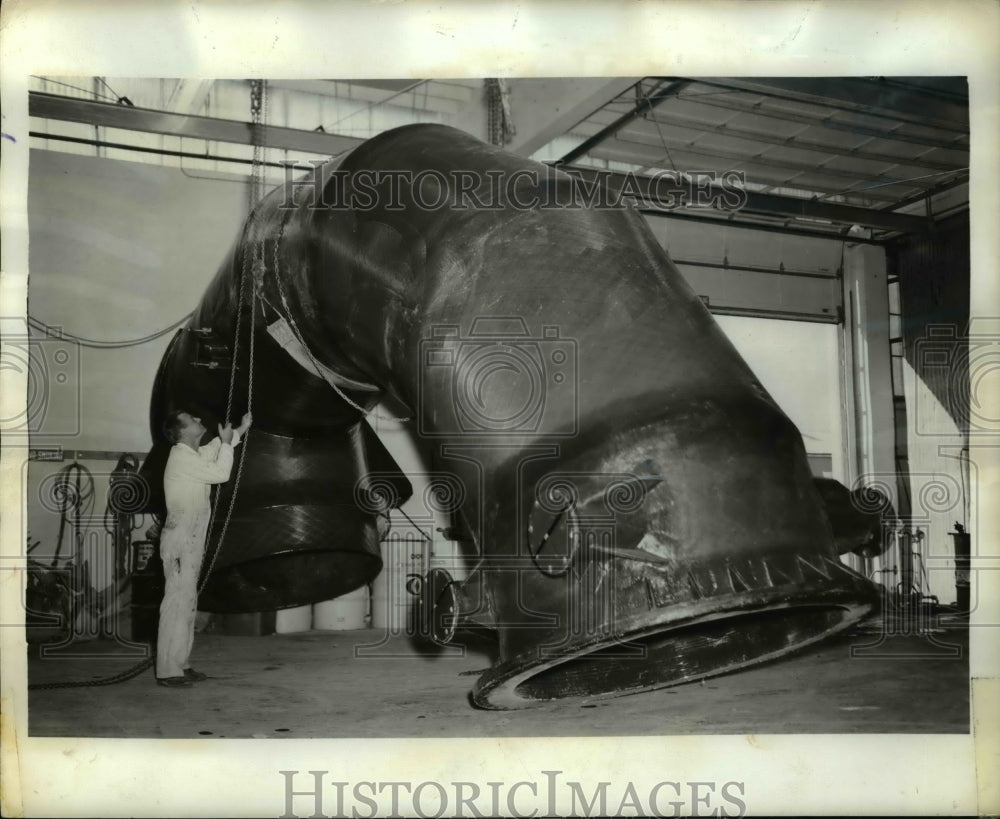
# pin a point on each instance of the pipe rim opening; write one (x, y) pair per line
(288, 579)
(670, 654)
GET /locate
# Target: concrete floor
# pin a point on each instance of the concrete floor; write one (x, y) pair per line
(311, 684)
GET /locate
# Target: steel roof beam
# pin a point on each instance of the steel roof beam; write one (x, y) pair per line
(148, 120)
(716, 101)
(857, 95)
(773, 204)
(633, 137)
(647, 103)
(833, 233)
(931, 192)
(818, 171)
(49, 106)
(778, 176)
(669, 118)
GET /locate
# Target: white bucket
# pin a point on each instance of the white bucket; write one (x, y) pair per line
(403, 558)
(344, 613)
(289, 621)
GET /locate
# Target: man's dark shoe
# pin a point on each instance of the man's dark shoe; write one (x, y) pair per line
(194, 676)
(174, 682)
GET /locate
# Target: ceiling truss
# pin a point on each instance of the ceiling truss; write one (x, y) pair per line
(824, 155)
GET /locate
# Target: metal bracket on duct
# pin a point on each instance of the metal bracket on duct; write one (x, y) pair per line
(597, 579)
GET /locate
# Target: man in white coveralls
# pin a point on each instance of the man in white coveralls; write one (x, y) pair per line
(191, 470)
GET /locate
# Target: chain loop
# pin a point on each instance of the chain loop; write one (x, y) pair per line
(252, 260)
(255, 257)
(287, 316)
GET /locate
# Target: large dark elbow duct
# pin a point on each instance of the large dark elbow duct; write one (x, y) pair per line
(644, 513)
(295, 534)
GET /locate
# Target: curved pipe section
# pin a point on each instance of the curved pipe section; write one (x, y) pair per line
(629, 484)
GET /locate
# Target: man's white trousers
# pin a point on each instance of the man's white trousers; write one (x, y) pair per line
(182, 546)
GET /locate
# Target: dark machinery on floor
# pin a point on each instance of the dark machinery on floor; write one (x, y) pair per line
(642, 511)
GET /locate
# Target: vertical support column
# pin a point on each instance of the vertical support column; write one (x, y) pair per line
(866, 378)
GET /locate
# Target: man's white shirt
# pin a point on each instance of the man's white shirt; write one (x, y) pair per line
(189, 473)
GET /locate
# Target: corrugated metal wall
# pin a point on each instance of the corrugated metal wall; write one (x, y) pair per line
(933, 278)
(933, 271)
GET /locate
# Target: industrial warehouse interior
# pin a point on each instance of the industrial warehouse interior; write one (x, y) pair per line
(683, 452)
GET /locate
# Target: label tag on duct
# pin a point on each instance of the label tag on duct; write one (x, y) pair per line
(282, 333)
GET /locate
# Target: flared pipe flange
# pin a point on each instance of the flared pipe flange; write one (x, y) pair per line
(688, 638)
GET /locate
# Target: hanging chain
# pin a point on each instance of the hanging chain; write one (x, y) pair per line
(493, 112)
(250, 267)
(499, 123)
(298, 335)
(258, 105)
(287, 316)
(253, 258)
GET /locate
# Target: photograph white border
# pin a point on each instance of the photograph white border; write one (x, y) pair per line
(807, 774)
